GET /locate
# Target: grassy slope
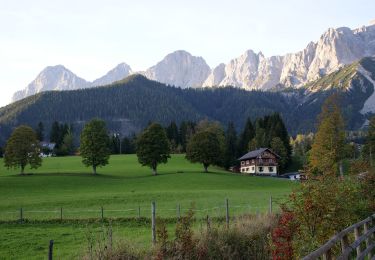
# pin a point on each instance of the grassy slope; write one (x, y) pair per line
(122, 185)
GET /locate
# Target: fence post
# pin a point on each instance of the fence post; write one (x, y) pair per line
(153, 222)
(102, 213)
(227, 212)
(21, 214)
(327, 255)
(270, 204)
(178, 211)
(139, 211)
(344, 243)
(368, 240)
(356, 237)
(110, 237)
(61, 214)
(50, 250)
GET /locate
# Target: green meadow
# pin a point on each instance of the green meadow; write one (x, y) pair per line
(124, 189)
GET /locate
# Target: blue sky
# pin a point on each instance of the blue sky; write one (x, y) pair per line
(91, 37)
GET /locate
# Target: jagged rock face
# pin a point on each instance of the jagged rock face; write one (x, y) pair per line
(335, 48)
(250, 71)
(180, 69)
(120, 72)
(216, 76)
(52, 78)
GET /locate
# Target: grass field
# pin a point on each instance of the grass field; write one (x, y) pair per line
(120, 188)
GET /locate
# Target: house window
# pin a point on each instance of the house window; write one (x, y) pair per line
(247, 162)
(252, 161)
(247, 169)
(242, 163)
(242, 169)
(253, 168)
(270, 169)
(260, 169)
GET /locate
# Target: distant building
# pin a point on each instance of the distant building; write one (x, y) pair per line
(47, 149)
(262, 161)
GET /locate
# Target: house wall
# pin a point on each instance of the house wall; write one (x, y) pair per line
(252, 169)
(267, 170)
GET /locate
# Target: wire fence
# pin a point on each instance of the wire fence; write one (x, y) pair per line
(141, 211)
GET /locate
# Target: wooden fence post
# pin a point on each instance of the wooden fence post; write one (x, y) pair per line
(208, 223)
(227, 212)
(21, 214)
(270, 205)
(61, 214)
(102, 213)
(178, 211)
(110, 237)
(153, 222)
(139, 211)
(356, 237)
(327, 255)
(368, 240)
(344, 243)
(50, 250)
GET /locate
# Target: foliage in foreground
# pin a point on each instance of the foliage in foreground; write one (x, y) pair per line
(246, 238)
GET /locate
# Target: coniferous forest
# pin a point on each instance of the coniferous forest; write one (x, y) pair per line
(129, 105)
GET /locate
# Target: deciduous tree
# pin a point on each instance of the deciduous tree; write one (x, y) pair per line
(153, 147)
(94, 144)
(328, 146)
(22, 148)
(204, 147)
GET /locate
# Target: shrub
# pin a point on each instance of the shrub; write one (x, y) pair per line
(246, 238)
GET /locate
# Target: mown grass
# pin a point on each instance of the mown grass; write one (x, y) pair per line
(120, 188)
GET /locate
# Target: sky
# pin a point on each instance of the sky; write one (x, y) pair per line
(91, 37)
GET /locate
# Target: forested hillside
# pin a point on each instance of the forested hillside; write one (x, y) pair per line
(130, 104)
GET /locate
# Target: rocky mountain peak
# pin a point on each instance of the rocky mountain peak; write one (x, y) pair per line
(180, 69)
(120, 72)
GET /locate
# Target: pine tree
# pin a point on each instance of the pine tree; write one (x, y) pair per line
(67, 146)
(22, 148)
(230, 153)
(278, 147)
(153, 147)
(245, 137)
(40, 132)
(186, 131)
(369, 147)
(94, 144)
(172, 134)
(327, 148)
(55, 133)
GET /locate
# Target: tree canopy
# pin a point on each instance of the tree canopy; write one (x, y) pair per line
(204, 147)
(94, 147)
(153, 147)
(328, 146)
(22, 148)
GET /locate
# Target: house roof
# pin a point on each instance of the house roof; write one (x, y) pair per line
(256, 153)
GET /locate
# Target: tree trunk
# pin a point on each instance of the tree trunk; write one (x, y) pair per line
(205, 167)
(154, 172)
(94, 169)
(22, 169)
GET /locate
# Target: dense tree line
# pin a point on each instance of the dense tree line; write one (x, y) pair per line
(128, 102)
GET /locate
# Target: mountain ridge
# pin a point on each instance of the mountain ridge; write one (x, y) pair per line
(130, 104)
(334, 49)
